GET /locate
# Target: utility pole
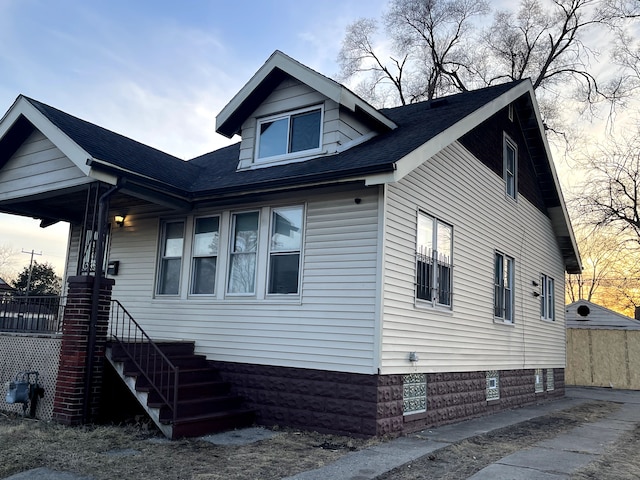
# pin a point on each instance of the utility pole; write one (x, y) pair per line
(32, 253)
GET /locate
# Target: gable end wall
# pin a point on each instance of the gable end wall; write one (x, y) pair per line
(486, 143)
(458, 189)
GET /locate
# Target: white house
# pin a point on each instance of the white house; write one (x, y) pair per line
(346, 268)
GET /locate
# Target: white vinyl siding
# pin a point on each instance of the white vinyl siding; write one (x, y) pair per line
(455, 186)
(329, 325)
(37, 167)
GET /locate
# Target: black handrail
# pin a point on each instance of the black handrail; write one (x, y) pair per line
(150, 361)
(31, 314)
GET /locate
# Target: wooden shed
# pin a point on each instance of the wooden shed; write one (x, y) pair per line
(603, 347)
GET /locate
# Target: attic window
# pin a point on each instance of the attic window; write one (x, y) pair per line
(292, 133)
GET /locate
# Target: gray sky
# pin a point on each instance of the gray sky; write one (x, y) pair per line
(155, 71)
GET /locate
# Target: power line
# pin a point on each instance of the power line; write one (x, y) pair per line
(32, 253)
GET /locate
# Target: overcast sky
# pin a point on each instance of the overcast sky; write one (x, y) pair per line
(156, 71)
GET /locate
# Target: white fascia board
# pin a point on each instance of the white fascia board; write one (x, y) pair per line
(329, 88)
(559, 215)
(67, 146)
(103, 176)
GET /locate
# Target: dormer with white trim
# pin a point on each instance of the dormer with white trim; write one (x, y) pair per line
(288, 112)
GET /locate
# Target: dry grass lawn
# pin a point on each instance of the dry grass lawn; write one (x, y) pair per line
(108, 452)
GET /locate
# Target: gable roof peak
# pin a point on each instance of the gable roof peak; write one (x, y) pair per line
(277, 68)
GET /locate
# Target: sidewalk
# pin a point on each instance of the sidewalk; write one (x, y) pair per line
(549, 460)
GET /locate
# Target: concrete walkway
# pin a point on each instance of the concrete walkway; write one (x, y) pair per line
(552, 459)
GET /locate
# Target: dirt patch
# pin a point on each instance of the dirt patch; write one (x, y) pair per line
(467, 457)
(621, 462)
(107, 452)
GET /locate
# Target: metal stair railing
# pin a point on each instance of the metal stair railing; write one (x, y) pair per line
(147, 357)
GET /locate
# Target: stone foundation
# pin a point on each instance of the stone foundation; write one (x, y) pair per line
(371, 405)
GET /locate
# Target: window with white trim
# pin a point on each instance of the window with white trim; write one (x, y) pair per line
(433, 260)
(547, 298)
(510, 160)
(243, 252)
(503, 287)
(289, 134)
(284, 249)
(204, 255)
(171, 247)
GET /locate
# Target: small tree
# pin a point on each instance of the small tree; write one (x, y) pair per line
(44, 280)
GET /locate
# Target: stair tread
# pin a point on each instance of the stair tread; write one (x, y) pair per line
(211, 383)
(213, 416)
(214, 398)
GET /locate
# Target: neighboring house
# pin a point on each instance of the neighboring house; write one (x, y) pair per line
(603, 347)
(348, 269)
(5, 288)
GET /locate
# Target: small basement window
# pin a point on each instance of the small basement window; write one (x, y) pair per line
(550, 380)
(283, 135)
(414, 393)
(539, 382)
(493, 385)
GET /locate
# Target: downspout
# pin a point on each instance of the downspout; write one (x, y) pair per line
(103, 210)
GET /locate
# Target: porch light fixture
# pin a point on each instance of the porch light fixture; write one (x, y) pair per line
(119, 219)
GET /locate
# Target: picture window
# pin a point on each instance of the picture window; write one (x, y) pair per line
(287, 134)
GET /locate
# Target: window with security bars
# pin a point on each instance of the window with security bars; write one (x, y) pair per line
(550, 381)
(433, 260)
(414, 393)
(503, 287)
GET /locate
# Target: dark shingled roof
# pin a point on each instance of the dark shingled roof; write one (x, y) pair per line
(417, 123)
(216, 173)
(118, 150)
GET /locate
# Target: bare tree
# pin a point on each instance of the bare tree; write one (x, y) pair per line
(424, 55)
(601, 256)
(611, 195)
(7, 262)
(434, 47)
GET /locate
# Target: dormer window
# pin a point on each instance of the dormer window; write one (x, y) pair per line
(289, 134)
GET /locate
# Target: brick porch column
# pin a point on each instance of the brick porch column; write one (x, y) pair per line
(68, 405)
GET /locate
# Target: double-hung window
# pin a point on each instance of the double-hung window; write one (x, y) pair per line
(547, 298)
(284, 250)
(243, 252)
(433, 260)
(510, 167)
(290, 133)
(171, 246)
(503, 287)
(204, 255)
